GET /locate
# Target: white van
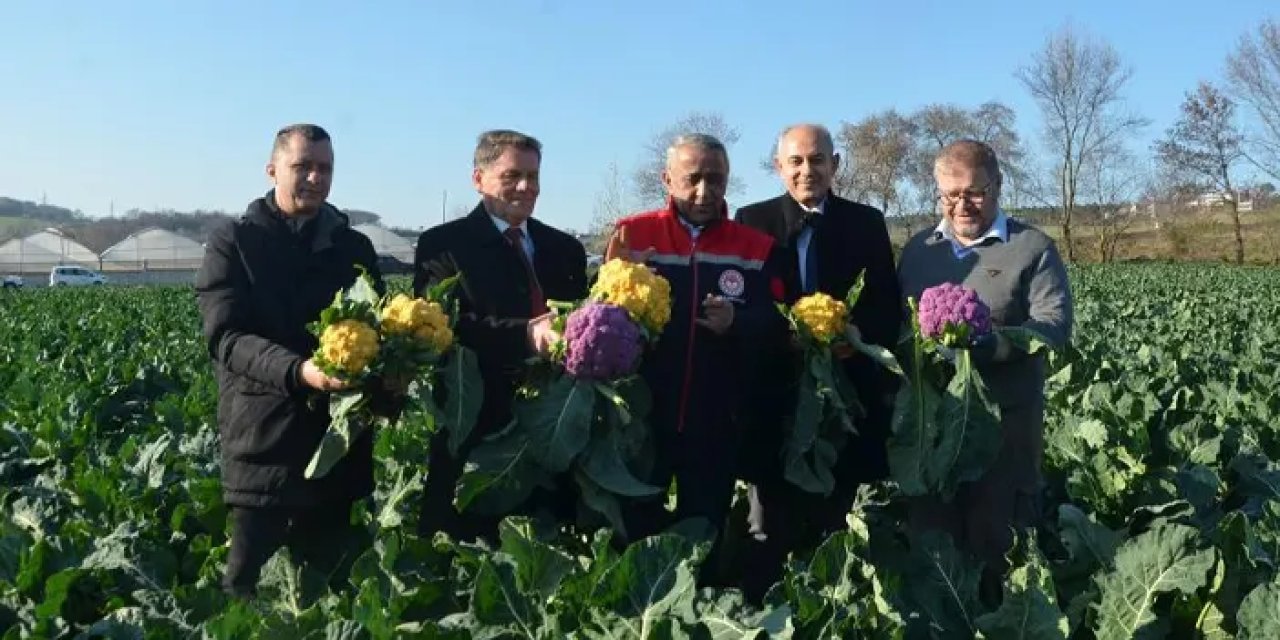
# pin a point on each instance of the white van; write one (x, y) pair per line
(74, 276)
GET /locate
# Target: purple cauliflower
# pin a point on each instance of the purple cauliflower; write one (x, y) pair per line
(601, 342)
(953, 314)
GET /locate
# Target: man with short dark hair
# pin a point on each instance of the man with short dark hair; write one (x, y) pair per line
(825, 242)
(1016, 270)
(510, 265)
(264, 277)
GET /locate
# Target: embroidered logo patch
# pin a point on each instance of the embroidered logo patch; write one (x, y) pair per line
(732, 283)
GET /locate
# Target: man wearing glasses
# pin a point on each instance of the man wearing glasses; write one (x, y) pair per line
(1016, 270)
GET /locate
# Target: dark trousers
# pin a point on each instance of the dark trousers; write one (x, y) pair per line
(321, 536)
(704, 469)
(784, 518)
(984, 515)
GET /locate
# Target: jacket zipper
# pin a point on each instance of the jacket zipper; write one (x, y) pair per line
(693, 331)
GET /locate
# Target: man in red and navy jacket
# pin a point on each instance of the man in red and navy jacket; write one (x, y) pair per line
(722, 300)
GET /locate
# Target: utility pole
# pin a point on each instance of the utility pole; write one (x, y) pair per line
(444, 203)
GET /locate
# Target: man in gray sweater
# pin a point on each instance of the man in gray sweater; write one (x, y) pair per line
(1016, 270)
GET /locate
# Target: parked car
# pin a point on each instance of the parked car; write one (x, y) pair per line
(13, 282)
(64, 276)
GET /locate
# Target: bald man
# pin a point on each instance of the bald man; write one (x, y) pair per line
(824, 242)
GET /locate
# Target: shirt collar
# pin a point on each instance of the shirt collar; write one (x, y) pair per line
(999, 230)
(820, 209)
(503, 225)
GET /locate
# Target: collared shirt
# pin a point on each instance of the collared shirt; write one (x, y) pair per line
(999, 230)
(503, 225)
(694, 230)
(803, 239)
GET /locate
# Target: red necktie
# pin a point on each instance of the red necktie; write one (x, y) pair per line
(538, 304)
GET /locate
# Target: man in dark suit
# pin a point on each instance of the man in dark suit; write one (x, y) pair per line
(824, 242)
(510, 265)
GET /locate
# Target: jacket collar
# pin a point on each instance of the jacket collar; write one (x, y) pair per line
(670, 211)
(328, 221)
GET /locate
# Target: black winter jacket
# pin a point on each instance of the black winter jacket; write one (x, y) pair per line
(261, 282)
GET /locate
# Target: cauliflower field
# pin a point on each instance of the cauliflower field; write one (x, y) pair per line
(1161, 504)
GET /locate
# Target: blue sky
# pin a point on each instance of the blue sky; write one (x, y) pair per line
(172, 104)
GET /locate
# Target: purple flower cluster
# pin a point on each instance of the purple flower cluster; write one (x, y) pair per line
(601, 342)
(953, 314)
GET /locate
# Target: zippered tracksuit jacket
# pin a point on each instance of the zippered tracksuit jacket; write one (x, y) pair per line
(693, 374)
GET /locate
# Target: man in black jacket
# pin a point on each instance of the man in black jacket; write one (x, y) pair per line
(824, 243)
(510, 265)
(264, 277)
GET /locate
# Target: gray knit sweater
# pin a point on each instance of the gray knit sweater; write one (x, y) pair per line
(1023, 281)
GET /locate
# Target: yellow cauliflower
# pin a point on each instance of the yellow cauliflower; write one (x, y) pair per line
(349, 345)
(824, 316)
(425, 321)
(632, 286)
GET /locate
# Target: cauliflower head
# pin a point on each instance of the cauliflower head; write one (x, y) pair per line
(632, 286)
(425, 321)
(349, 345)
(953, 314)
(824, 316)
(601, 342)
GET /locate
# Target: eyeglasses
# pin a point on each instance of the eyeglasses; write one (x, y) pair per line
(975, 196)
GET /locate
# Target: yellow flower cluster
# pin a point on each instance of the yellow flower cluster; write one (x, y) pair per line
(632, 286)
(349, 345)
(824, 316)
(425, 321)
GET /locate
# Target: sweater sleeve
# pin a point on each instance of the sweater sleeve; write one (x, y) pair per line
(1049, 297)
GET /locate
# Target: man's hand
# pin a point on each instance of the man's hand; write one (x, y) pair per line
(991, 347)
(541, 336)
(719, 314)
(620, 247)
(313, 377)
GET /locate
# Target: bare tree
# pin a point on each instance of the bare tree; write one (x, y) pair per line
(938, 125)
(1206, 142)
(647, 179)
(610, 203)
(877, 152)
(1253, 76)
(1116, 182)
(1078, 85)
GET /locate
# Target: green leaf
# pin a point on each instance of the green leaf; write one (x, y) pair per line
(499, 475)
(1028, 340)
(653, 578)
(943, 585)
(1029, 609)
(1164, 559)
(604, 462)
(1259, 615)
(558, 422)
(464, 395)
(540, 567)
(496, 599)
(347, 422)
